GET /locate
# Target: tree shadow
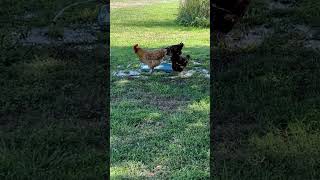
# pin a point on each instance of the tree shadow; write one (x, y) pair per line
(176, 141)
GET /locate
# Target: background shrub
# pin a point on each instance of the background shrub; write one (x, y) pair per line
(194, 13)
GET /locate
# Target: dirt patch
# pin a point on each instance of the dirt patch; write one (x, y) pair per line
(302, 28)
(166, 104)
(314, 44)
(312, 36)
(27, 16)
(244, 39)
(279, 6)
(314, 41)
(150, 124)
(39, 36)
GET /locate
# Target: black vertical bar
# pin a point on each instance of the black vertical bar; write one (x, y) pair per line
(104, 23)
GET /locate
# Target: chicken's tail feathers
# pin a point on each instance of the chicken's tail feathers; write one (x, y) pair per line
(135, 48)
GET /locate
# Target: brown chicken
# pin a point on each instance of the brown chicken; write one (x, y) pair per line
(151, 58)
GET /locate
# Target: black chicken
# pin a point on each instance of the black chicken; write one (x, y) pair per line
(179, 62)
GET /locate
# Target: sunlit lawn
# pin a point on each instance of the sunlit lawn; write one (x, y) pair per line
(159, 126)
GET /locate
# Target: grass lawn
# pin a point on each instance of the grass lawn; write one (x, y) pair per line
(52, 99)
(267, 97)
(159, 126)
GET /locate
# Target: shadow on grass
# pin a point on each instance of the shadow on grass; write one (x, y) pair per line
(168, 145)
(50, 117)
(263, 91)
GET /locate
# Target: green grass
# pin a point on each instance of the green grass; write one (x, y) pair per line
(267, 101)
(159, 127)
(51, 103)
